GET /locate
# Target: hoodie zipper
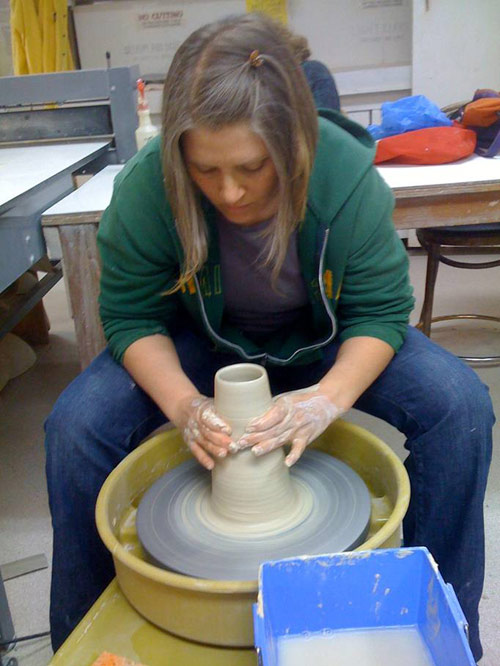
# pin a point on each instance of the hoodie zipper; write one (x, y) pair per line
(214, 335)
(264, 357)
(324, 299)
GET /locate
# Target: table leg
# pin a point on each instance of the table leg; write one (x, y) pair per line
(81, 271)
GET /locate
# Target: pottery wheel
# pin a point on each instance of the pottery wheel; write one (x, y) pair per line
(174, 537)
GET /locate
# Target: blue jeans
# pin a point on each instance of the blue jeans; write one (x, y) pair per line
(426, 393)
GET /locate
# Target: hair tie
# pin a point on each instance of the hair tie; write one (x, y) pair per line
(255, 59)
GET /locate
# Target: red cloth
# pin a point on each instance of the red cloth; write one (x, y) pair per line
(431, 145)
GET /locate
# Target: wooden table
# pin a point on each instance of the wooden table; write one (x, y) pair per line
(76, 218)
(465, 192)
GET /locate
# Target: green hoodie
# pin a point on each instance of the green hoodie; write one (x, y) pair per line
(353, 262)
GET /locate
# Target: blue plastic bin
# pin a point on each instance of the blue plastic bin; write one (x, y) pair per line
(395, 587)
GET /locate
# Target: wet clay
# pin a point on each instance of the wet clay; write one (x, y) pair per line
(250, 493)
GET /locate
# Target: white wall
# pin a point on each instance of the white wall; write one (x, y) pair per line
(5, 47)
(456, 48)
(357, 35)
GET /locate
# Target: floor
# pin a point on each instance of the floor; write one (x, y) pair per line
(25, 528)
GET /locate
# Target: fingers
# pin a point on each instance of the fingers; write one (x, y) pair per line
(283, 421)
(271, 443)
(219, 440)
(299, 445)
(205, 433)
(261, 440)
(276, 422)
(274, 415)
(212, 421)
(201, 455)
(299, 438)
(214, 432)
(216, 444)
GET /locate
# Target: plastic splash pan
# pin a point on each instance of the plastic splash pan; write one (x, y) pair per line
(220, 612)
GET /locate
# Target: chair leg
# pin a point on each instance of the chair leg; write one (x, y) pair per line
(433, 253)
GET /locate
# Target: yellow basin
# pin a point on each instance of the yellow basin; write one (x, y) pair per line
(220, 612)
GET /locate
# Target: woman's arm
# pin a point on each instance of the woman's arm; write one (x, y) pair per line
(359, 362)
(154, 365)
(299, 417)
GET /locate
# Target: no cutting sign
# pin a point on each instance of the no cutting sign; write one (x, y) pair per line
(160, 18)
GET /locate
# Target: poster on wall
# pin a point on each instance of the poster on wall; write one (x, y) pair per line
(275, 8)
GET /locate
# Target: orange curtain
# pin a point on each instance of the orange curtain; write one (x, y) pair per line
(40, 40)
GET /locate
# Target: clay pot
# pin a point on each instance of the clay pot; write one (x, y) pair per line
(249, 491)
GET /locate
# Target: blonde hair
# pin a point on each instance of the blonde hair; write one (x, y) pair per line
(211, 83)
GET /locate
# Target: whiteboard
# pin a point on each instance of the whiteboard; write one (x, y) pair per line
(345, 34)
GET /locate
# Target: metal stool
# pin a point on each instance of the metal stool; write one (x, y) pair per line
(434, 241)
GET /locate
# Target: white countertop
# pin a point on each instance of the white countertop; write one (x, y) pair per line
(473, 169)
(95, 194)
(92, 196)
(24, 168)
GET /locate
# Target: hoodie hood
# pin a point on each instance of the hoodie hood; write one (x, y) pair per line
(345, 153)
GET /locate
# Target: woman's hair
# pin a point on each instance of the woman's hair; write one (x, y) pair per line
(212, 82)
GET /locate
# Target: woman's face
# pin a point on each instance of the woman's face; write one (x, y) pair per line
(234, 170)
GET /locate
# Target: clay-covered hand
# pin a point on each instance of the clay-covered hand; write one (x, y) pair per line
(297, 418)
(205, 433)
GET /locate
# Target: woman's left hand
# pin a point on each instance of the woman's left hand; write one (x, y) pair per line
(297, 418)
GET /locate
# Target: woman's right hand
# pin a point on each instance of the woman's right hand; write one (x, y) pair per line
(205, 433)
(154, 364)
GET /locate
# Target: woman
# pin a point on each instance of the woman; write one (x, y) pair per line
(318, 76)
(256, 232)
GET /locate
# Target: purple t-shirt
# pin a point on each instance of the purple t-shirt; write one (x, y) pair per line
(251, 303)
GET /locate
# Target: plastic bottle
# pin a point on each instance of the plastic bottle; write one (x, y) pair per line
(146, 129)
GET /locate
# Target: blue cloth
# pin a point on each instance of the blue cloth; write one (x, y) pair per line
(428, 394)
(408, 114)
(322, 85)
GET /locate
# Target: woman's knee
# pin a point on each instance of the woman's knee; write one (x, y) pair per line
(91, 407)
(103, 408)
(455, 416)
(68, 439)
(438, 402)
(76, 411)
(462, 396)
(442, 385)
